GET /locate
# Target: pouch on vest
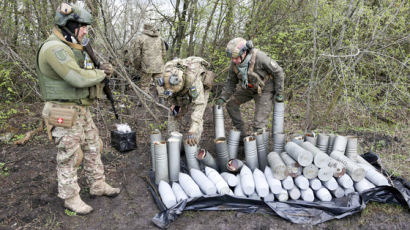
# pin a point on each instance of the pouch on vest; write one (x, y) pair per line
(208, 79)
(97, 91)
(62, 117)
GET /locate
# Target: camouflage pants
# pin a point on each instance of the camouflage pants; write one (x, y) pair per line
(148, 79)
(74, 144)
(263, 106)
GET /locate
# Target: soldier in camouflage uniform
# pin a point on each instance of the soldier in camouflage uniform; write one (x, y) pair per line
(187, 83)
(69, 83)
(149, 55)
(260, 78)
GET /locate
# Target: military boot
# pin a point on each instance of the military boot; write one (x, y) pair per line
(77, 205)
(100, 188)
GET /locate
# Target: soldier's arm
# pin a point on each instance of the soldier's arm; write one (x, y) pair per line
(61, 59)
(198, 107)
(164, 50)
(276, 71)
(230, 84)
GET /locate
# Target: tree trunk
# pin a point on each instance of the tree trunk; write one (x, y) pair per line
(194, 23)
(228, 21)
(208, 24)
(181, 25)
(15, 35)
(218, 29)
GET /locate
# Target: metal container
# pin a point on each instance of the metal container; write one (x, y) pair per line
(155, 136)
(206, 158)
(322, 142)
(260, 145)
(222, 155)
(302, 156)
(251, 152)
(219, 121)
(233, 143)
(278, 118)
(190, 154)
(161, 161)
(279, 142)
(174, 150)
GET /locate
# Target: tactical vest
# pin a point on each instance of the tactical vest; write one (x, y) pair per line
(256, 82)
(54, 88)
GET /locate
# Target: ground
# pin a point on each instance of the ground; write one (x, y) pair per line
(28, 187)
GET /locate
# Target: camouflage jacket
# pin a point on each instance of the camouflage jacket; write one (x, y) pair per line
(65, 71)
(264, 67)
(194, 94)
(149, 52)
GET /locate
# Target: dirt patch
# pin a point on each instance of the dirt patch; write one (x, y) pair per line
(28, 191)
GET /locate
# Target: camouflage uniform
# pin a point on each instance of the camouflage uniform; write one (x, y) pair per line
(191, 94)
(149, 57)
(68, 80)
(81, 140)
(262, 90)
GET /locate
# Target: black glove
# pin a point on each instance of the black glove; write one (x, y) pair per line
(191, 139)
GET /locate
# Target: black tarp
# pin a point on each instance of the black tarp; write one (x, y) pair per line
(296, 211)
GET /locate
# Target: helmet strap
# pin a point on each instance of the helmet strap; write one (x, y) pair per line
(71, 33)
(240, 56)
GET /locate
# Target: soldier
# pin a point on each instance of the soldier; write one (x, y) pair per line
(69, 83)
(187, 83)
(149, 56)
(261, 79)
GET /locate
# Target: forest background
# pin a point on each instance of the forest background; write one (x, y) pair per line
(346, 61)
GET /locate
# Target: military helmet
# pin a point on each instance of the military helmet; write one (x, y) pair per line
(237, 46)
(172, 80)
(66, 12)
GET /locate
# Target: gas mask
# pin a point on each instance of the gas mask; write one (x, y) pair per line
(172, 82)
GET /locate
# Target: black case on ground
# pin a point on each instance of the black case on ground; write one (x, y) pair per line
(123, 141)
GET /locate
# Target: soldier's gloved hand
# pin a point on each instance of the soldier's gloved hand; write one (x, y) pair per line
(220, 102)
(279, 97)
(108, 69)
(191, 139)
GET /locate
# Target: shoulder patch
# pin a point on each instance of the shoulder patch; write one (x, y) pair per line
(193, 92)
(60, 54)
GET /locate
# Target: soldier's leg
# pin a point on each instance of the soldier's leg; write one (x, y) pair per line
(159, 90)
(93, 166)
(145, 82)
(263, 108)
(69, 157)
(69, 153)
(233, 107)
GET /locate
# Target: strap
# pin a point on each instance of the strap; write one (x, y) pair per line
(261, 83)
(252, 61)
(61, 37)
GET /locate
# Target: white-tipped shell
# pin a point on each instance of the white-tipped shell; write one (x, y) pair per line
(166, 193)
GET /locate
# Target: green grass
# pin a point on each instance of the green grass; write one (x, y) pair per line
(70, 213)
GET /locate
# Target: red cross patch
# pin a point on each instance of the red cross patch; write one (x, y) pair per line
(60, 120)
